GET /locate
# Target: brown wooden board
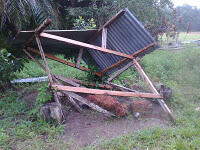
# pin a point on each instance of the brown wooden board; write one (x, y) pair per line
(105, 92)
(82, 44)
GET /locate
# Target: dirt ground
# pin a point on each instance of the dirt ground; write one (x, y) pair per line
(89, 127)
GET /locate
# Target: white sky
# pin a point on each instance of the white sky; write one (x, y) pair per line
(189, 2)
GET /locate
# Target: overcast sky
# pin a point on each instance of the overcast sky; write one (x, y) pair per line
(190, 2)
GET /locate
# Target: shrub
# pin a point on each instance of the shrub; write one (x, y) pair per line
(9, 64)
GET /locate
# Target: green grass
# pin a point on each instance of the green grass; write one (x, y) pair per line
(180, 71)
(17, 125)
(176, 69)
(183, 36)
(31, 69)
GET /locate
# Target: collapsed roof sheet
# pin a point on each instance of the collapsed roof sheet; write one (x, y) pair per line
(127, 35)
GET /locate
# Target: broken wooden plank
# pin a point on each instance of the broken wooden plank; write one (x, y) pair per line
(122, 87)
(125, 59)
(78, 108)
(85, 101)
(35, 60)
(105, 92)
(86, 45)
(49, 56)
(83, 83)
(151, 86)
(104, 37)
(120, 71)
(67, 80)
(79, 58)
(44, 59)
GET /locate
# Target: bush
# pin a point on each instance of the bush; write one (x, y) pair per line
(9, 64)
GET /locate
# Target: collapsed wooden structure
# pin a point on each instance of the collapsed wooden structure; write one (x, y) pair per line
(119, 55)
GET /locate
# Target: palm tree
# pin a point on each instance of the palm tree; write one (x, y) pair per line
(25, 15)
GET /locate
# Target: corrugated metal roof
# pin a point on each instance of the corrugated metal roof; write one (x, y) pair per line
(127, 35)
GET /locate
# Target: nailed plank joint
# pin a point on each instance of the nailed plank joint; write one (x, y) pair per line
(105, 92)
(82, 44)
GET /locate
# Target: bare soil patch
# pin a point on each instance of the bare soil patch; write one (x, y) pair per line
(89, 127)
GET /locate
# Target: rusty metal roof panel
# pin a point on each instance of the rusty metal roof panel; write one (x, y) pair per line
(127, 35)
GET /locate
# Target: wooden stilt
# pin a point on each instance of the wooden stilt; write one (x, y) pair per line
(153, 89)
(44, 59)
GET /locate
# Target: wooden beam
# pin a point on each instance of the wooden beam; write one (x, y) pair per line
(120, 71)
(49, 56)
(125, 59)
(105, 92)
(40, 29)
(44, 59)
(82, 44)
(107, 24)
(83, 83)
(79, 58)
(153, 89)
(35, 60)
(67, 80)
(104, 38)
(121, 87)
(85, 101)
(78, 108)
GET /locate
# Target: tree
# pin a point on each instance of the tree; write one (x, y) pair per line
(190, 17)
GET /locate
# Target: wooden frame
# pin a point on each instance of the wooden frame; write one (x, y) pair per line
(49, 56)
(69, 89)
(82, 44)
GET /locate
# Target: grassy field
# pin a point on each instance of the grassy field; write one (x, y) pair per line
(176, 69)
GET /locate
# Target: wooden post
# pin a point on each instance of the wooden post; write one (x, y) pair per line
(104, 37)
(44, 59)
(79, 58)
(153, 89)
